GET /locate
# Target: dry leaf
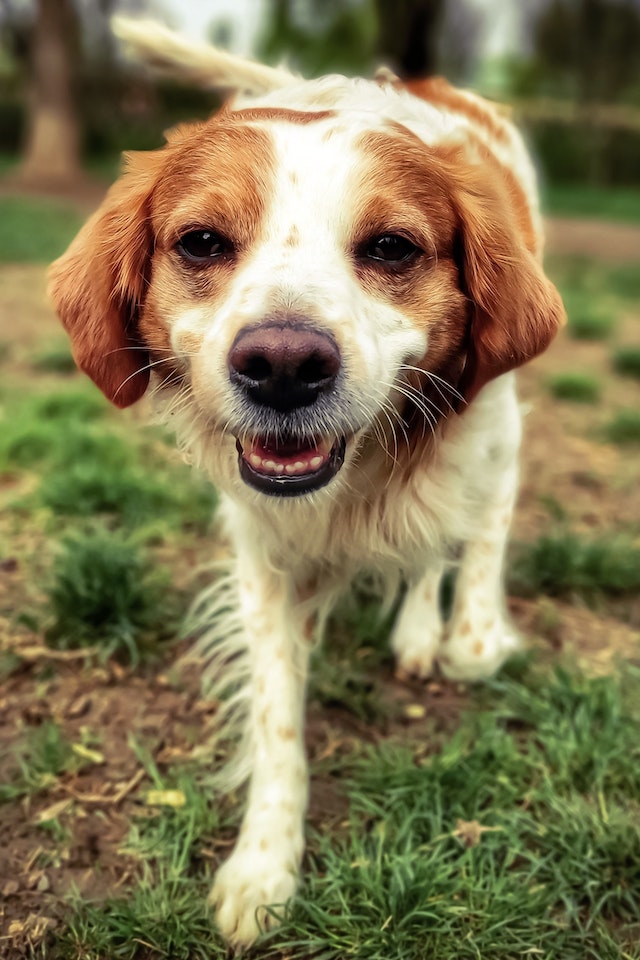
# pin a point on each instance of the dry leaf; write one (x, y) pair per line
(469, 832)
(94, 756)
(165, 798)
(415, 711)
(52, 812)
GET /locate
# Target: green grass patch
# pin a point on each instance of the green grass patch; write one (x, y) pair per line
(563, 564)
(624, 280)
(88, 468)
(36, 230)
(43, 429)
(519, 837)
(8, 163)
(575, 386)
(603, 203)
(587, 319)
(127, 492)
(594, 294)
(55, 358)
(623, 428)
(105, 593)
(166, 910)
(349, 678)
(626, 361)
(40, 758)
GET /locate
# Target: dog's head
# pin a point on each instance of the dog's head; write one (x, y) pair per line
(303, 278)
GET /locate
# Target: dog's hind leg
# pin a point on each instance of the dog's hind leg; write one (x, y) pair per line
(480, 637)
(417, 634)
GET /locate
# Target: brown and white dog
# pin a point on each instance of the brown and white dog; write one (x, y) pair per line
(329, 283)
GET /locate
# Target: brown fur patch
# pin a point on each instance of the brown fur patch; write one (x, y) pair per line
(110, 297)
(440, 93)
(219, 191)
(477, 290)
(253, 114)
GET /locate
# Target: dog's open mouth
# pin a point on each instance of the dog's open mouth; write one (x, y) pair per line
(290, 468)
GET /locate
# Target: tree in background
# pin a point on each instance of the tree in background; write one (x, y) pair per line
(51, 42)
(590, 48)
(584, 52)
(321, 36)
(408, 35)
(52, 144)
(416, 38)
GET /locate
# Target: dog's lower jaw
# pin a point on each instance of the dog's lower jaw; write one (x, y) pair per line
(322, 463)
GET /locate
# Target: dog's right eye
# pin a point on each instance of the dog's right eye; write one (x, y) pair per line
(203, 245)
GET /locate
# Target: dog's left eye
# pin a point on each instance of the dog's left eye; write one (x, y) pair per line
(390, 248)
(202, 245)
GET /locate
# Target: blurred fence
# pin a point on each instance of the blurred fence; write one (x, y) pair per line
(593, 143)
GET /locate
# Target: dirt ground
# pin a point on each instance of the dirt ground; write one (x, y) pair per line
(564, 460)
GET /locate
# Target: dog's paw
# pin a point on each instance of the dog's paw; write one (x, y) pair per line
(414, 665)
(415, 648)
(250, 881)
(471, 653)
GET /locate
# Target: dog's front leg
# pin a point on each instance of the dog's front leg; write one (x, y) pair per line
(263, 868)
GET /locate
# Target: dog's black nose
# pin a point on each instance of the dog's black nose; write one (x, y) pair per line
(284, 365)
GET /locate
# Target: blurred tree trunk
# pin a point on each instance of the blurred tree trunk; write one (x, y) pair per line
(52, 149)
(408, 35)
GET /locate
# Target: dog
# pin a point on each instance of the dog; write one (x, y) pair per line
(329, 284)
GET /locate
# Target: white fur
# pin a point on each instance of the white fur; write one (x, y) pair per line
(258, 625)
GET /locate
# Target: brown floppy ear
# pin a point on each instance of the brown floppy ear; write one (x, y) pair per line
(98, 286)
(516, 310)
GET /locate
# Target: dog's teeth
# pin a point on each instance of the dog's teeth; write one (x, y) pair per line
(264, 464)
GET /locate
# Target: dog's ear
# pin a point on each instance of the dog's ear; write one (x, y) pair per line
(516, 310)
(98, 285)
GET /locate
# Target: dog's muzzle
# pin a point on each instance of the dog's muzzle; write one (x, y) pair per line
(285, 368)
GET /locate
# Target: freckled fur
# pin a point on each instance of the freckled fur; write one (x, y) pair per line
(298, 179)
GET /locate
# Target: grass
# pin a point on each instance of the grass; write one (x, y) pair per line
(36, 230)
(575, 386)
(604, 203)
(46, 428)
(41, 756)
(55, 358)
(166, 910)
(515, 836)
(89, 468)
(519, 837)
(626, 361)
(594, 294)
(103, 594)
(563, 565)
(623, 428)
(350, 679)
(587, 320)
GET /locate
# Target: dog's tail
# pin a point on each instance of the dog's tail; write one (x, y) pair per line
(198, 63)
